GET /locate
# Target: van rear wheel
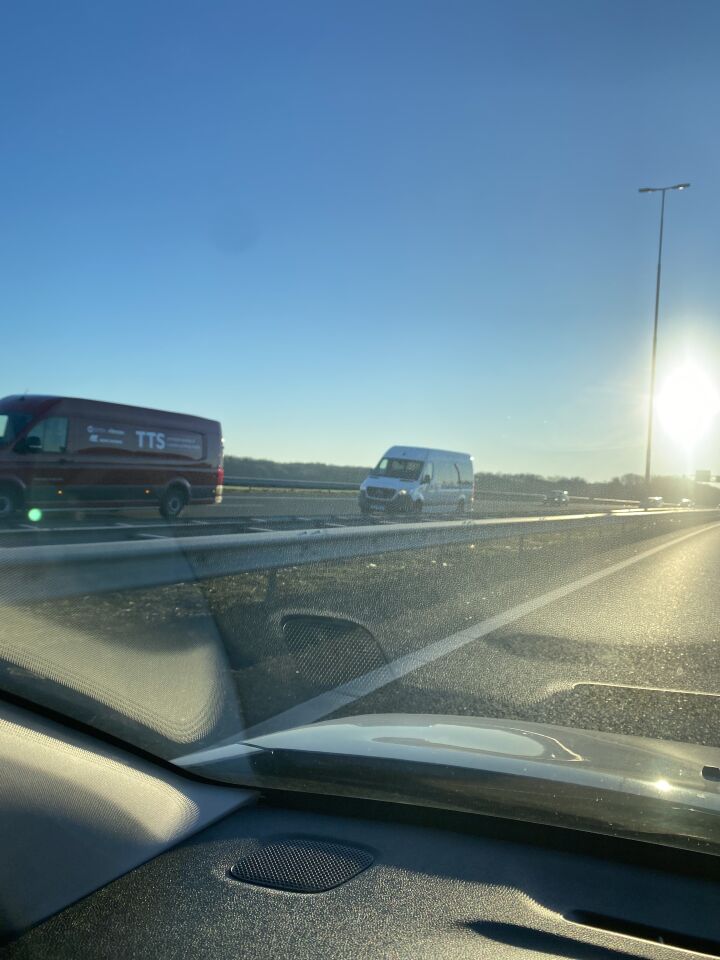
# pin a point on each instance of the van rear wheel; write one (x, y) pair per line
(9, 503)
(173, 503)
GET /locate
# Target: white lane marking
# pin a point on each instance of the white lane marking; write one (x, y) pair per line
(79, 528)
(326, 703)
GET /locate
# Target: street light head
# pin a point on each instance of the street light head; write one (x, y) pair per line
(675, 186)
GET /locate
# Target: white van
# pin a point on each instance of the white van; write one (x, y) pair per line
(411, 479)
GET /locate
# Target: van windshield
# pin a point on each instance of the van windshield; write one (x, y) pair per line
(398, 468)
(10, 426)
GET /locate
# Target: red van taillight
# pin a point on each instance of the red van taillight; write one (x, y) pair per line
(219, 480)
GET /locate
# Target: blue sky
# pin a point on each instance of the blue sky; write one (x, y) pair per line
(337, 226)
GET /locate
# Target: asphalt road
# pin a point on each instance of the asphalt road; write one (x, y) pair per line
(310, 505)
(611, 628)
(255, 504)
(635, 652)
(318, 504)
(240, 512)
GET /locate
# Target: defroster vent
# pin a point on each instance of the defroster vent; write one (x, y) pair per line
(302, 865)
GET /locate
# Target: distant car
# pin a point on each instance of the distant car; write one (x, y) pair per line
(650, 502)
(686, 502)
(558, 496)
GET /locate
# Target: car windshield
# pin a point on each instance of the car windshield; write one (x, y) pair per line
(398, 468)
(250, 250)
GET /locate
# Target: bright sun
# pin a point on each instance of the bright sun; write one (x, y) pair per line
(687, 405)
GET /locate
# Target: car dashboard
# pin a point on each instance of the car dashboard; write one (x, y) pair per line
(195, 870)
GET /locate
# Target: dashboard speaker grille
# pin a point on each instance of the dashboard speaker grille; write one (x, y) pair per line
(302, 865)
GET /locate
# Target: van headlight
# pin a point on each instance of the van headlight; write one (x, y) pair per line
(402, 493)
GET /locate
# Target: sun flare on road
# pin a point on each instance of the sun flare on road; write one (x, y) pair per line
(687, 405)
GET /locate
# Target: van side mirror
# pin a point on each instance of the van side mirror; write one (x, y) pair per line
(28, 445)
(426, 479)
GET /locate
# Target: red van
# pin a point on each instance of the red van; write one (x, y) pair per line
(58, 451)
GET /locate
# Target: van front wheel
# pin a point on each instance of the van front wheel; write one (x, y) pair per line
(173, 503)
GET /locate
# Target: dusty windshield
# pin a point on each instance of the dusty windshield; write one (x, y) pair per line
(250, 250)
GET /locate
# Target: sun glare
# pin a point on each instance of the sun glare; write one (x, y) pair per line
(687, 405)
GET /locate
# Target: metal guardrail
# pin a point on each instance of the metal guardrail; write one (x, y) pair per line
(273, 484)
(542, 497)
(283, 484)
(42, 572)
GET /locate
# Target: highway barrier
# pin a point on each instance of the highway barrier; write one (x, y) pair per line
(275, 484)
(41, 572)
(267, 483)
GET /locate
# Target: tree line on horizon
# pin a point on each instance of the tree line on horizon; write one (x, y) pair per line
(630, 486)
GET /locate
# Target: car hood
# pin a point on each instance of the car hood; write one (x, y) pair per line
(605, 783)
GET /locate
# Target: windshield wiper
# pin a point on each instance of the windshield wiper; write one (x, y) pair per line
(637, 788)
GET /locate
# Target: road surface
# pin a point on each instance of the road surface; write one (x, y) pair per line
(239, 512)
(280, 503)
(319, 504)
(633, 650)
(612, 628)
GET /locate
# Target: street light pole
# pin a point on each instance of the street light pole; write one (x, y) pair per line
(651, 402)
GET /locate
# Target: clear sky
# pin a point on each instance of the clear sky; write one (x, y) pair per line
(337, 226)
